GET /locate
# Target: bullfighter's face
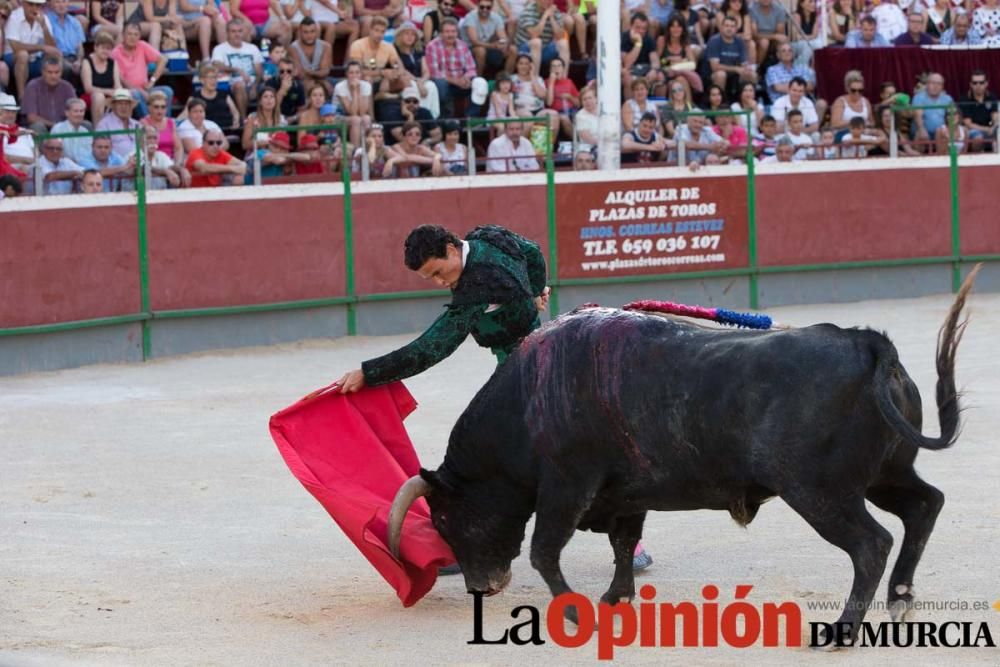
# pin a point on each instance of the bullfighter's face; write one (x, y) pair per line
(444, 271)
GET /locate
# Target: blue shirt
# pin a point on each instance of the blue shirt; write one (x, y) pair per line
(906, 40)
(114, 160)
(854, 41)
(67, 32)
(727, 53)
(777, 74)
(933, 118)
(971, 39)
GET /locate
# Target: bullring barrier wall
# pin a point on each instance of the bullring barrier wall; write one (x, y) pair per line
(108, 278)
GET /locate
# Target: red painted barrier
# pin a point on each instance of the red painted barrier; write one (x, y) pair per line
(65, 265)
(979, 212)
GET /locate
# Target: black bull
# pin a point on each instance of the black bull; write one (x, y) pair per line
(605, 414)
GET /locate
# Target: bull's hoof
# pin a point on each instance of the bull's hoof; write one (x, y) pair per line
(825, 644)
(901, 603)
(613, 597)
(571, 615)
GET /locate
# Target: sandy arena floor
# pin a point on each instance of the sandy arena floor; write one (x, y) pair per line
(146, 518)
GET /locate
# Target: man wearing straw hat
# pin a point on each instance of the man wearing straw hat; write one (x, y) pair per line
(120, 118)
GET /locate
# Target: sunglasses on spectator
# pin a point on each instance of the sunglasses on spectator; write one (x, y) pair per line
(157, 106)
(376, 126)
(213, 142)
(677, 90)
(52, 148)
(287, 71)
(412, 100)
(857, 90)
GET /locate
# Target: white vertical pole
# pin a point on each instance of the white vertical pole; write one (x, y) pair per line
(609, 84)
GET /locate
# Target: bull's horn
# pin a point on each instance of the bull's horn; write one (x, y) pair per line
(412, 489)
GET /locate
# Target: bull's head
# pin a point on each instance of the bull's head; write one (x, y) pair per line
(483, 528)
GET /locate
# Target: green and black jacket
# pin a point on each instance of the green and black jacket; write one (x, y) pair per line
(502, 268)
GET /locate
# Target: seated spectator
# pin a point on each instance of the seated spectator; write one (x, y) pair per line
(930, 124)
(643, 144)
(210, 166)
(781, 73)
(68, 35)
(584, 161)
(380, 62)
(166, 137)
(640, 104)
(511, 152)
(502, 101)
(701, 145)
(315, 160)
(277, 158)
(291, 92)
(354, 96)
(99, 76)
(728, 59)
(414, 72)
(914, 35)
(44, 101)
(264, 19)
(939, 17)
(784, 151)
(748, 102)
(562, 96)
(120, 118)
(796, 133)
(115, 169)
(27, 38)
(540, 32)
(767, 136)
(807, 33)
(675, 112)
(884, 124)
(639, 56)
(959, 34)
(330, 142)
(17, 150)
(843, 20)
(986, 23)
(796, 100)
(367, 11)
(91, 182)
(891, 20)
(827, 148)
(529, 91)
(219, 105)
(852, 105)
(410, 110)
(336, 19)
(10, 186)
(162, 172)
(484, 32)
(432, 20)
(193, 128)
(59, 173)
(242, 61)
(153, 17)
(266, 116)
(132, 59)
(372, 156)
(856, 143)
(979, 112)
(716, 99)
(586, 121)
(294, 11)
(454, 156)
(410, 155)
(313, 57)
(107, 16)
(867, 36)
(678, 57)
(452, 68)
(735, 135)
(740, 11)
(202, 19)
(75, 149)
(770, 26)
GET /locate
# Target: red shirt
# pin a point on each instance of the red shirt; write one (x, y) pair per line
(206, 180)
(563, 86)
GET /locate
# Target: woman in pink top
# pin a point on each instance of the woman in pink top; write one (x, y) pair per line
(132, 58)
(265, 18)
(168, 139)
(730, 130)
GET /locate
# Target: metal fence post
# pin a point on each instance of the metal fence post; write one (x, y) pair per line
(956, 243)
(140, 191)
(345, 177)
(754, 296)
(550, 198)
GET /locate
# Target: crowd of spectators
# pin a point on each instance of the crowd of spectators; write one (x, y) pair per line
(226, 92)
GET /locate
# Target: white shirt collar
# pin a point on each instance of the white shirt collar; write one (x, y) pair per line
(465, 252)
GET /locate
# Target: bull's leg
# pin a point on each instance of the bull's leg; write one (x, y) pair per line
(624, 535)
(555, 522)
(847, 524)
(917, 503)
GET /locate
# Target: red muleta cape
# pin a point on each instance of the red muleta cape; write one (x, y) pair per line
(352, 452)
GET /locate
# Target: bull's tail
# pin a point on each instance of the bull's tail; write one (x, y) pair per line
(949, 337)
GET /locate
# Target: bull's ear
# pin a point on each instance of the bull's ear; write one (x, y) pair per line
(437, 482)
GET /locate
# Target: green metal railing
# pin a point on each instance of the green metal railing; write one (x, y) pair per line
(351, 299)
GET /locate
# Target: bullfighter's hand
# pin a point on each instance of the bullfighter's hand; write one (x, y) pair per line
(542, 302)
(351, 382)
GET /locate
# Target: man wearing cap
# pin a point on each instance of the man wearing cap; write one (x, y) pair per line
(45, 98)
(27, 37)
(276, 159)
(410, 110)
(313, 57)
(452, 68)
(210, 166)
(16, 151)
(120, 118)
(484, 32)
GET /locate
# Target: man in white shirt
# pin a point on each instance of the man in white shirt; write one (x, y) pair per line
(242, 61)
(58, 172)
(801, 140)
(796, 99)
(76, 150)
(511, 152)
(28, 37)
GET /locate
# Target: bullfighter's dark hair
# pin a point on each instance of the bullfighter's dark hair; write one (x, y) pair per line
(427, 242)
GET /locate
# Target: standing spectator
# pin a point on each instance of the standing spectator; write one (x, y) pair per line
(452, 68)
(219, 105)
(643, 144)
(678, 57)
(242, 61)
(929, 124)
(132, 59)
(166, 137)
(511, 152)
(483, 31)
(940, 17)
(806, 34)
(979, 112)
(193, 128)
(373, 153)
(114, 168)
(107, 16)
(586, 122)
(770, 21)
(843, 21)
(99, 76)
(75, 149)
(891, 20)
(540, 33)
(852, 105)
(210, 166)
(727, 58)
(266, 116)
(794, 130)
(432, 20)
(986, 23)
(27, 38)
(391, 11)
(702, 145)
(959, 33)
(44, 101)
(562, 95)
(354, 95)
(379, 60)
(744, 24)
(59, 173)
(291, 92)
(867, 36)
(68, 35)
(313, 57)
(415, 72)
(336, 18)
(914, 35)
(202, 19)
(639, 56)
(796, 100)
(263, 17)
(748, 102)
(120, 118)
(91, 182)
